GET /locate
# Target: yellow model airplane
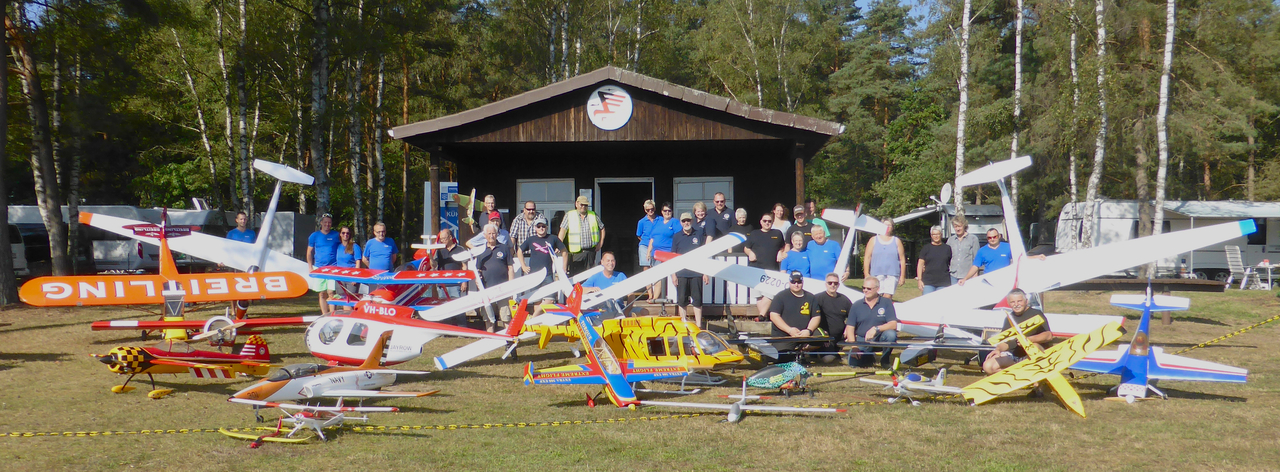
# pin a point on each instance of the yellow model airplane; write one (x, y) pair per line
(1046, 365)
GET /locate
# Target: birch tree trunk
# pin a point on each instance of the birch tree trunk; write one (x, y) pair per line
(1162, 117)
(8, 280)
(48, 196)
(73, 177)
(200, 123)
(1017, 104)
(319, 101)
(378, 125)
(961, 116)
(228, 133)
(242, 125)
(1075, 108)
(404, 150)
(1100, 140)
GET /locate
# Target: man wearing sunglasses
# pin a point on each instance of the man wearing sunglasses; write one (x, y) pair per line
(541, 248)
(794, 312)
(522, 228)
(765, 248)
(724, 216)
(835, 309)
(995, 255)
(871, 320)
(688, 283)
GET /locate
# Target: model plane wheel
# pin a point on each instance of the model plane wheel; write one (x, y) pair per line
(915, 403)
(219, 322)
(159, 393)
(891, 400)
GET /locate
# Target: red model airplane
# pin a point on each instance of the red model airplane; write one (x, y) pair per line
(176, 357)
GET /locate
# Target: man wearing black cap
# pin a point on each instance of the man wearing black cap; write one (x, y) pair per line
(794, 313)
(799, 226)
(688, 283)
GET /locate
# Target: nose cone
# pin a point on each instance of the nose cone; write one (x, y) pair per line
(260, 391)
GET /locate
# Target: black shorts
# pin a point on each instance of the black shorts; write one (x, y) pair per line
(689, 287)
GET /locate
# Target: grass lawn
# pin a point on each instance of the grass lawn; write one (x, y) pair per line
(52, 385)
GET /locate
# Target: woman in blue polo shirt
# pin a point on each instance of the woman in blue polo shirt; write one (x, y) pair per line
(349, 253)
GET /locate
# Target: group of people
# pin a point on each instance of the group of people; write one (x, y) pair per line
(872, 319)
(326, 247)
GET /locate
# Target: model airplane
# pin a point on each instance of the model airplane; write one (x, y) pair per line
(409, 288)
(1139, 364)
(665, 339)
(235, 254)
(910, 385)
(604, 366)
(314, 381)
(176, 357)
(169, 288)
(343, 337)
(617, 291)
(1046, 365)
(738, 409)
(306, 417)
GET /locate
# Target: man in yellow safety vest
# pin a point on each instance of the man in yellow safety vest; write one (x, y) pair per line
(582, 231)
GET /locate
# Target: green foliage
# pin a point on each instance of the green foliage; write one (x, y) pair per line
(131, 115)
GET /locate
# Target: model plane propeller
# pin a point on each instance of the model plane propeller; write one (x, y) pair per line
(1139, 364)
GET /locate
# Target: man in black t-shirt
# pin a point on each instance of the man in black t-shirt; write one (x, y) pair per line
(794, 313)
(540, 247)
(835, 308)
(688, 283)
(800, 225)
(764, 247)
(1010, 352)
(495, 265)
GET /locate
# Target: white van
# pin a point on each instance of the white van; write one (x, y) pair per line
(19, 252)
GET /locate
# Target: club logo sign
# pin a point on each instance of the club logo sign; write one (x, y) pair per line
(609, 107)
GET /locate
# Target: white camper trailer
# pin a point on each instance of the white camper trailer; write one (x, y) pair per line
(1117, 220)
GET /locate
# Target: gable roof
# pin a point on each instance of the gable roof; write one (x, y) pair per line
(667, 89)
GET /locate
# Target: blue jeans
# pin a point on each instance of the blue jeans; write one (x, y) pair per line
(929, 289)
(862, 356)
(955, 280)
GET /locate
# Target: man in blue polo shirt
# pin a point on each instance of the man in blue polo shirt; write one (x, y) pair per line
(242, 232)
(322, 250)
(380, 252)
(995, 255)
(823, 254)
(605, 279)
(871, 320)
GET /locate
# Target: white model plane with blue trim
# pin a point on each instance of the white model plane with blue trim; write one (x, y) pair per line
(1140, 364)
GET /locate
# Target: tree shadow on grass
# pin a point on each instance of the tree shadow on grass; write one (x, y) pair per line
(11, 360)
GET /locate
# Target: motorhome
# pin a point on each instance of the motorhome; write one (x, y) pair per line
(1117, 220)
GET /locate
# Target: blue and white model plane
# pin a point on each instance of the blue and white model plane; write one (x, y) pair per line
(1139, 364)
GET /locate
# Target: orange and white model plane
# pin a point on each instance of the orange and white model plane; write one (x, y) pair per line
(169, 288)
(314, 381)
(175, 357)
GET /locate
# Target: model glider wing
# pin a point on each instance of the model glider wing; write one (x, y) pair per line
(235, 254)
(295, 406)
(198, 324)
(373, 394)
(1059, 270)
